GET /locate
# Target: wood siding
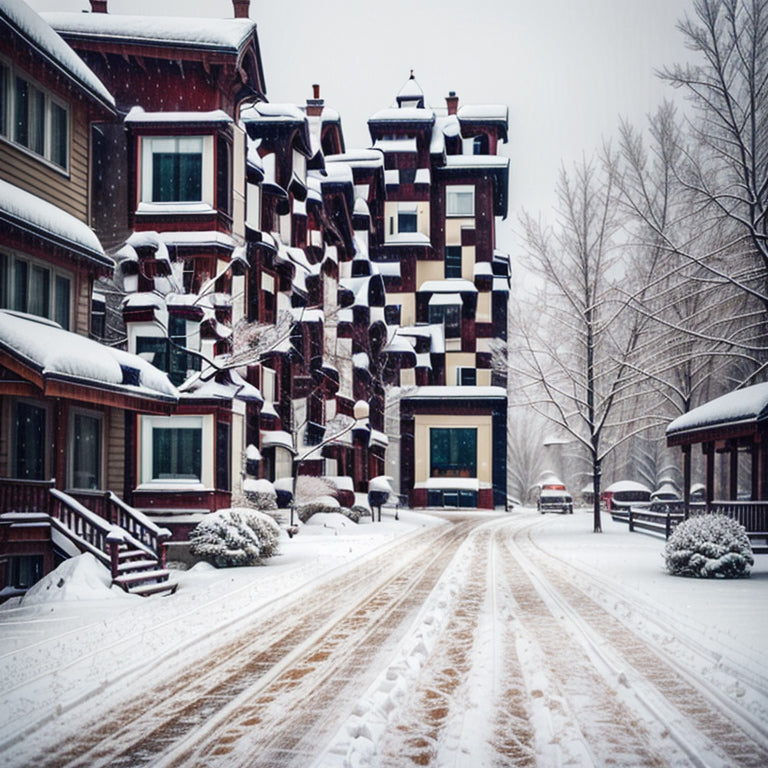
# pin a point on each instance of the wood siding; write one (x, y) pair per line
(68, 191)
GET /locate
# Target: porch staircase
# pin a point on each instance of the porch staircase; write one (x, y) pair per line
(123, 539)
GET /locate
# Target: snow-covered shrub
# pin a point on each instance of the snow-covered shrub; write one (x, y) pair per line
(353, 514)
(314, 495)
(233, 537)
(321, 505)
(709, 546)
(260, 494)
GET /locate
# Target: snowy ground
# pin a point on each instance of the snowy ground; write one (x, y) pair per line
(518, 639)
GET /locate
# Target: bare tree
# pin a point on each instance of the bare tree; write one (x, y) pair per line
(572, 347)
(728, 172)
(703, 327)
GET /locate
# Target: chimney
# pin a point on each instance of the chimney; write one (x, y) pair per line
(242, 8)
(452, 102)
(315, 104)
(98, 6)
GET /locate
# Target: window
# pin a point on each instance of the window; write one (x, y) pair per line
(175, 449)
(448, 315)
(32, 118)
(85, 439)
(407, 221)
(30, 440)
(222, 456)
(24, 571)
(177, 169)
(460, 200)
(29, 286)
(453, 452)
(170, 354)
(466, 377)
(452, 261)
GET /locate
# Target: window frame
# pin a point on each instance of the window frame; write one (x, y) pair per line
(98, 417)
(147, 151)
(50, 143)
(453, 468)
(148, 425)
(438, 315)
(16, 443)
(11, 263)
(453, 194)
(453, 266)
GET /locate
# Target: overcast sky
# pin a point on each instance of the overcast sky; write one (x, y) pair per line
(567, 69)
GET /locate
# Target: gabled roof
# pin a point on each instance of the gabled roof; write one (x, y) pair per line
(743, 411)
(225, 35)
(39, 35)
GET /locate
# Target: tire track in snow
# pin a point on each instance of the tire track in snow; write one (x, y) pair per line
(134, 733)
(285, 722)
(579, 718)
(468, 706)
(675, 699)
(733, 681)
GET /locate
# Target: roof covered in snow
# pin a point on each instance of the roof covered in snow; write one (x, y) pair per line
(178, 31)
(43, 219)
(40, 36)
(53, 354)
(455, 392)
(741, 410)
(138, 115)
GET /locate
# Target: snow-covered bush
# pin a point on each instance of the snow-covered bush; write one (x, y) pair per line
(260, 494)
(709, 546)
(353, 514)
(319, 506)
(233, 537)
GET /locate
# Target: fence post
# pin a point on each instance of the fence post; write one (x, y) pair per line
(668, 529)
(631, 521)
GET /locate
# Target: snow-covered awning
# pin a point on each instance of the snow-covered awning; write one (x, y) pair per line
(448, 286)
(59, 363)
(277, 439)
(445, 299)
(450, 483)
(743, 411)
(23, 211)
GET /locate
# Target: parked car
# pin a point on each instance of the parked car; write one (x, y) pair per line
(555, 501)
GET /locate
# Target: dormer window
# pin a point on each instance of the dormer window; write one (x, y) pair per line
(177, 169)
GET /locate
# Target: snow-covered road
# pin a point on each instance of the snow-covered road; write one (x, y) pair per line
(488, 641)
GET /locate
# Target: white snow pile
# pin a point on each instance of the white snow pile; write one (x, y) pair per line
(78, 578)
(709, 546)
(235, 537)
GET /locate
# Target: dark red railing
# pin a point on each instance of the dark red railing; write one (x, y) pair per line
(94, 521)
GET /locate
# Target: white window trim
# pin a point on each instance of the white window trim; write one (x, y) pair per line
(459, 189)
(146, 204)
(148, 423)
